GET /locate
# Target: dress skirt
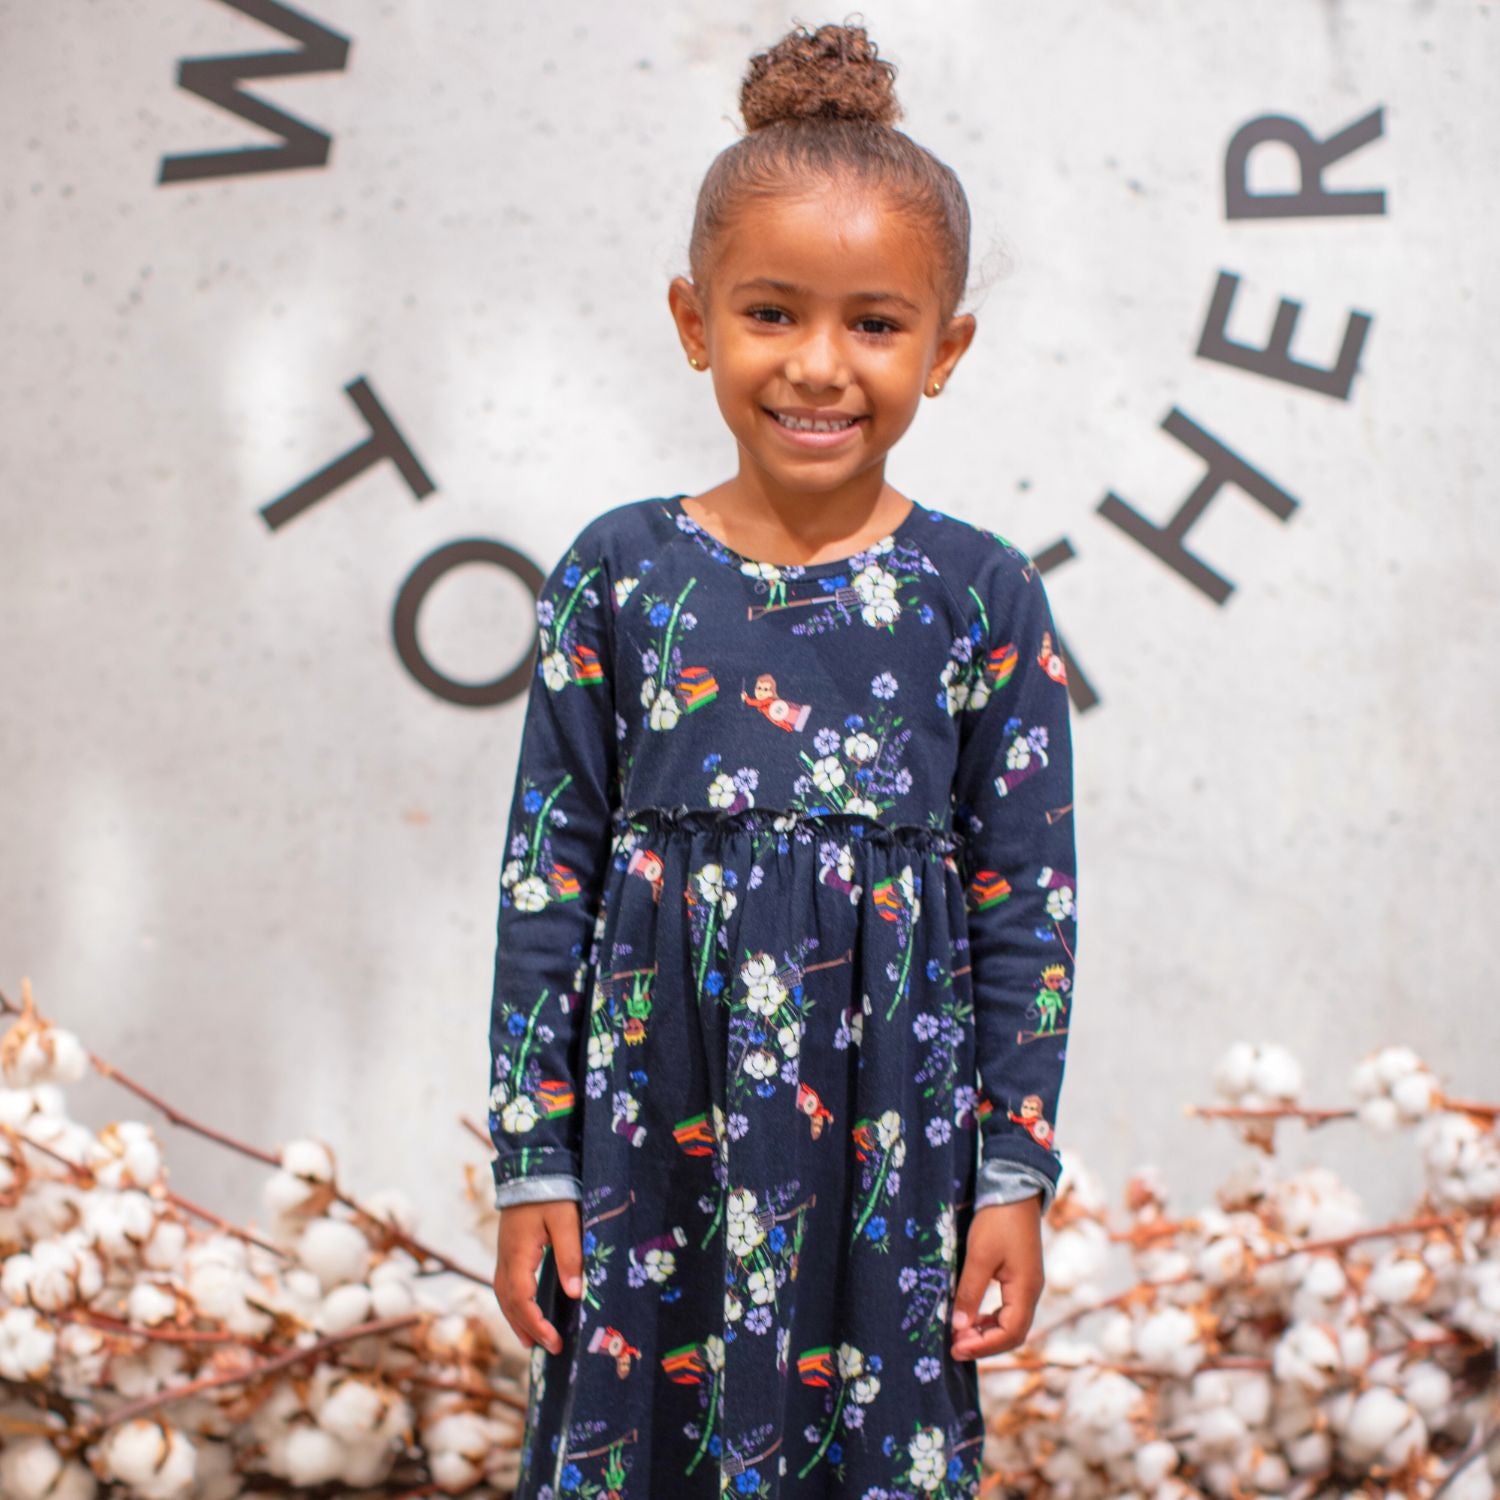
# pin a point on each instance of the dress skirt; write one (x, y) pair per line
(779, 1149)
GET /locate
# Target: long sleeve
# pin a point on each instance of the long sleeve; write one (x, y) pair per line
(557, 847)
(1013, 811)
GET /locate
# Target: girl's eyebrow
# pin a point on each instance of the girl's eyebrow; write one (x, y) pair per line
(788, 289)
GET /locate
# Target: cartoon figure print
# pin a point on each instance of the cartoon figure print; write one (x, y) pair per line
(781, 712)
(1033, 1121)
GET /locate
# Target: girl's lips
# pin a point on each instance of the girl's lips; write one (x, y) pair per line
(813, 439)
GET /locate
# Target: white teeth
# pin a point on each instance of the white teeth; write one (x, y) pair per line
(805, 424)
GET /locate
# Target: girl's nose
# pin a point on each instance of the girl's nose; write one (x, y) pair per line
(817, 362)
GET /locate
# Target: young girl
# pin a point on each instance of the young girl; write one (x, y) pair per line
(786, 933)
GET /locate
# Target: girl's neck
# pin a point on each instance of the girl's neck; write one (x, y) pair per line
(802, 527)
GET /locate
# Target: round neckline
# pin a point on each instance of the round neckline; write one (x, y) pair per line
(722, 552)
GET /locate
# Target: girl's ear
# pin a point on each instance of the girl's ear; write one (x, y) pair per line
(687, 313)
(952, 346)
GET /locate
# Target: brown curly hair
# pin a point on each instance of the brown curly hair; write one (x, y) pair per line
(821, 105)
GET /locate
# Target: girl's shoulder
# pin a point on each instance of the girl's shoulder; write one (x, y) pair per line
(627, 530)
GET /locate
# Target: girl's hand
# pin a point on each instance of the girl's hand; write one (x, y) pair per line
(526, 1229)
(1005, 1244)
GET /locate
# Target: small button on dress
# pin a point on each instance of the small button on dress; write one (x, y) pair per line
(783, 981)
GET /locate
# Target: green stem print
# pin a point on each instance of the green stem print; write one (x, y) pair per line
(540, 822)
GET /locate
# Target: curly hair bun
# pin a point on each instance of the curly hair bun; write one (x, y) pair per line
(831, 73)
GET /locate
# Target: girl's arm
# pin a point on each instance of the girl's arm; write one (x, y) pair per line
(1013, 810)
(557, 848)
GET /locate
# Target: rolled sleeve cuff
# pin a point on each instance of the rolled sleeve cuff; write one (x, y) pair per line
(537, 1190)
(1011, 1181)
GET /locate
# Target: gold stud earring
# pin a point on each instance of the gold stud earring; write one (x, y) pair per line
(693, 361)
(937, 385)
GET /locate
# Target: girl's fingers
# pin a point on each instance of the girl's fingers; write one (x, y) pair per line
(1001, 1330)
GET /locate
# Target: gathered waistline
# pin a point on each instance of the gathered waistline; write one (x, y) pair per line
(829, 823)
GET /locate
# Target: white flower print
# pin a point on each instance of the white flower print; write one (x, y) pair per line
(624, 587)
(788, 1039)
(955, 682)
(765, 990)
(742, 1228)
(1060, 903)
(861, 748)
(660, 1265)
(734, 1309)
(863, 806)
(519, 1115)
(665, 711)
(760, 1063)
(710, 883)
(762, 1287)
(601, 1049)
(929, 1461)
(713, 1351)
(827, 773)
(883, 686)
(888, 1129)
(722, 791)
(555, 671)
(877, 594)
(530, 894)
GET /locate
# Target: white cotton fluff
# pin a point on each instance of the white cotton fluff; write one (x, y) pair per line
(1154, 1461)
(306, 1455)
(393, 1207)
(391, 1292)
(1429, 1389)
(1099, 1407)
(359, 1410)
(1315, 1204)
(1308, 1354)
(119, 1223)
(344, 1307)
(157, 1461)
(1218, 1431)
(80, 1359)
(166, 1244)
(153, 1367)
(149, 1304)
(32, 1469)
(129, 1156)
(56, 1273)
(1169, 1339)
(310, 1160)
(1258, 1072)
(42, 1053)
(1076, 1255)
(335, 1251)
(26, 1344)
(457, 1445)
(1399, 1277)
(1116, 1336)
(1382, 1427)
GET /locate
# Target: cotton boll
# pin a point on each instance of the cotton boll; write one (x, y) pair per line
(1076, 1255)
(1222, 1260)
(37, 1052)
(165, 1245)
(1116, 1336)
(1267, 1472)
(306, 1455)
(390, 1290)
(152, 1368)
(119, 1223)
(1154, 1461)
(361, 1410)
(32, 1469)
(149, 1305)
(1429, 1389)
(1394, 1063)
(1443, 1138)
(392, 1207)
(1315, 1204)
(1276, 1073)
(157, 1462)
(310, 1160)
(26, 1344)
(1415, 1094)
(57, 1273)
(335, 1251)
(1471, 1483)
(344, 1307)
(457, 1446)
(1325, 1278)
(1100, 1405)
(1379, 1114)
(130, 1156)
(1307, 1354)
(1309, 1452)
(1383, 1427)
(1251, 1396)
(1218, 1431)
(1169, 1340)
(1398, 1278)
(81, 1357)
(1235, 1070)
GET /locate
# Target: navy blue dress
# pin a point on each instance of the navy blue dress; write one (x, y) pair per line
(782, 985)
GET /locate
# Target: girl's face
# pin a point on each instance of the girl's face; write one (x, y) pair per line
(820, 307)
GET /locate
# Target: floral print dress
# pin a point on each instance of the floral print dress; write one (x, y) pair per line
(783, 981)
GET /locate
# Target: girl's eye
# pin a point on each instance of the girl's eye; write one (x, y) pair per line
(882, 328)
